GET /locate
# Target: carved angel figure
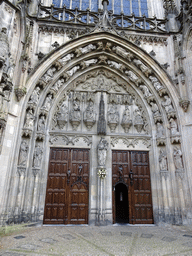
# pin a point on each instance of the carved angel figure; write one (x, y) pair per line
(37, 156)
(48, 101)
(29, 119)
(35, 95)
(167, 104)
(102, 152)
(23, 153)
(177, 154)
(163, 160)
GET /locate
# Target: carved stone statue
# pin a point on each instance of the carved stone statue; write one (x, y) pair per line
(75, 114)
(58, 84)
(177, 154)
(87, 63)
(48, 102)
(4, 49)
(135, 79)
(173, 127)
(62, 116)
(66, 58)
(163, 161)
(41, 123)
(102, 152)
(48, 75)
(167, 104)
(156, 83)
(73, 70)
(116, 65)
(37, 156)
(35, 95)
(84, 50)
(160, 130)
(126, 120)
(138, 121)
(145, 90)
(29, 119)
(113, 117)
(154, 109)
(89, 116)
(23, 153)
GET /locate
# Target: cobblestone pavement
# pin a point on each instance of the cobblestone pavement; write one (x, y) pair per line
(91, 240)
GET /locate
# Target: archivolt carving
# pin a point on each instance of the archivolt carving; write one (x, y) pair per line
(69, 139)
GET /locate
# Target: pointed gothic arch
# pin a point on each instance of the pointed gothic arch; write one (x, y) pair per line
(129, 68)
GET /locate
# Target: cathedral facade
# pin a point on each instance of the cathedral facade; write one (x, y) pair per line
(95, 113)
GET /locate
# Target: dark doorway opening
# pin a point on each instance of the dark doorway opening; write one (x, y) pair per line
(121, 203)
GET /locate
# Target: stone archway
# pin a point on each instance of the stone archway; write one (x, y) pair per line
(57, 113)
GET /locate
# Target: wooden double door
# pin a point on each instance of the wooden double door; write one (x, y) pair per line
(67, 193)
(132, 199)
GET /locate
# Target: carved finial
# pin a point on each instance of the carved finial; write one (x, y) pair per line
(101, 126)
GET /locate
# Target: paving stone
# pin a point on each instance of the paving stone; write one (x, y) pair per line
(86, 234)
(146, 235)
(168, 239)
(188, 244)
(19, 237)
(106, 233)
(68, 237)
(126, 234)
(30, 247)
(12, 254)
(48, 240)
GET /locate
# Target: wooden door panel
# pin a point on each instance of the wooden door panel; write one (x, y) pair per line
(139, 188)
(67, 196)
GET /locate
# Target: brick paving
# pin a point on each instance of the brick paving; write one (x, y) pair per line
(92, 240)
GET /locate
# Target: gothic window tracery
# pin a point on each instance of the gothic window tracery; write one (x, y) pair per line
(138, 7)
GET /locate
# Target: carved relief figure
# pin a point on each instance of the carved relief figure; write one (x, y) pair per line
(41, 123)
(29, 119)
(102, 152)
(87, 63)
(120, 51)
(163, 161)
(37, 156)
(133, 77)
(89, 115)
(116, 65)
(48, 102)
(140, 64)
(62, 116)
(173, 127)
(76, 113)
(167, 104)
(35, 95)
(23, 153)
(177, 154)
